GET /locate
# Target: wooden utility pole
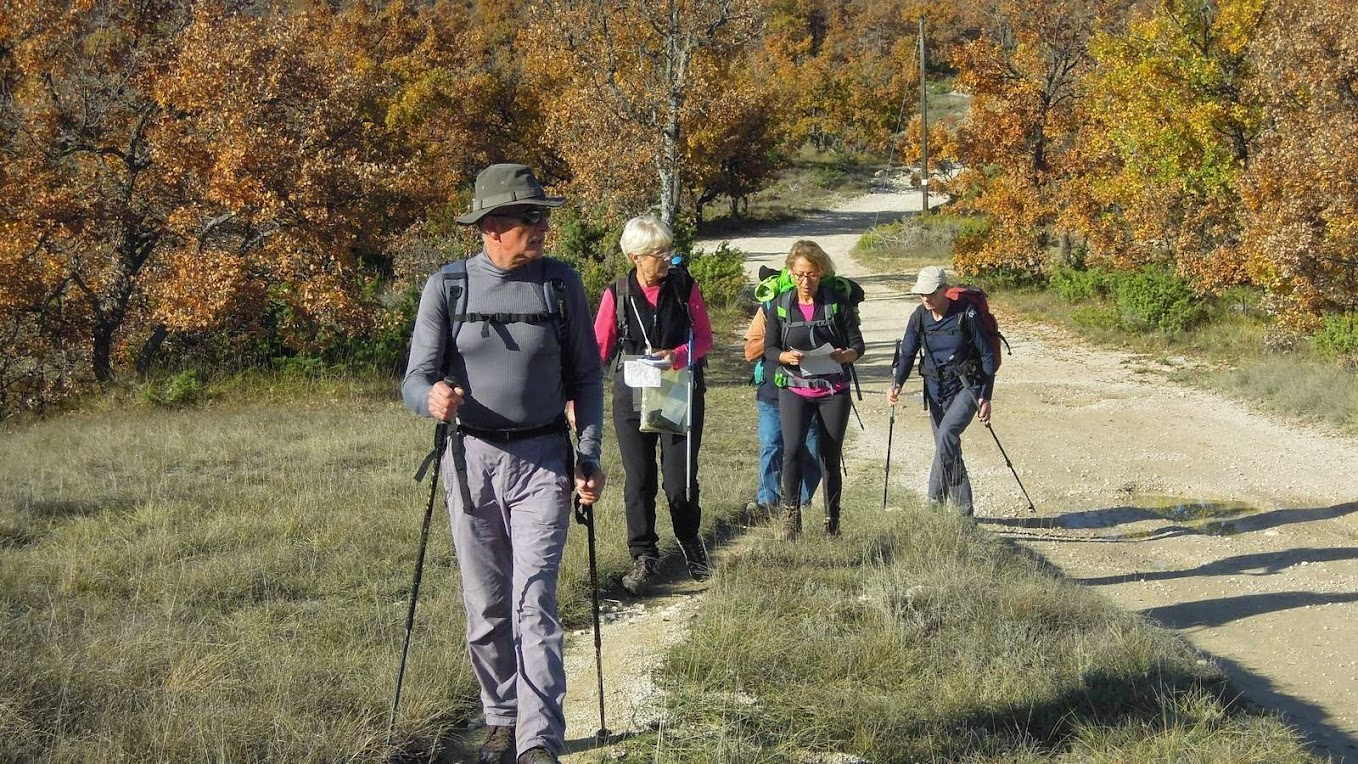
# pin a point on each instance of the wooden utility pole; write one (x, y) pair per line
(923, 128)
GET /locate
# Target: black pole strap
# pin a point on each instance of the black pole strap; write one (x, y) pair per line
(460, 468)
(891, 423)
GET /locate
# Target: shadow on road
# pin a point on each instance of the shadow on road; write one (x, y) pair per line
(1211, 519)
(1247, 689)
(1261, 564)
(1223, 610)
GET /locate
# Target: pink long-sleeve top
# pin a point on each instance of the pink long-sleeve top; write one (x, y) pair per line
(606, 325)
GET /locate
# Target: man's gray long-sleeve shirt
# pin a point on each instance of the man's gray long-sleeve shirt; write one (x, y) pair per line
(512, 372)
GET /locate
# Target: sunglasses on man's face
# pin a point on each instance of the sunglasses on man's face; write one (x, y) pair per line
(531, 216)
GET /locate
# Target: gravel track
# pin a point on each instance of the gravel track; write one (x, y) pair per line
(1232, 527)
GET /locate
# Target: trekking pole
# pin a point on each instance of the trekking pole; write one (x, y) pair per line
(1010, 465)
(584, 515)
(1007, 463)
(891, 424)
(434, 459)
(688, 426)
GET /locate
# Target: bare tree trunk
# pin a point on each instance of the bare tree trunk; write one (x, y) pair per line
(669, 174)
(147, 355)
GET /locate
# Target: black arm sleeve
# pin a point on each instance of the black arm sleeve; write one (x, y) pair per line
(854, 330)
(987, 352)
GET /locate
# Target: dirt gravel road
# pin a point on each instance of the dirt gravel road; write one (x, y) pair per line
(1234, 528)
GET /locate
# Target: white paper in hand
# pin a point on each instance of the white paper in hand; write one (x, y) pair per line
(818, 361)
(639, 373)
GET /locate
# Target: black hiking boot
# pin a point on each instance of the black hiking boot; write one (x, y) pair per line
(792, 522)
(832, 524)
(538, 755)
(756, 513)
(637, 581)
(695, 556)
(498, 747)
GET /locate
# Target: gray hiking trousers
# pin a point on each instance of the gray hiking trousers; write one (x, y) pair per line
(948, 481)
(509, 554)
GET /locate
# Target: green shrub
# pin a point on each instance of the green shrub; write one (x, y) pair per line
(972, 227)
(183, 389)
(302, 365)
(590, 244)
(1076, 286)
(1154, 297)
(382, 348)
(880, 236)
(720, 274)
(1338, 338)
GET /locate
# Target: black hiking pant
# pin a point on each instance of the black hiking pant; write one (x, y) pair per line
(796, 412)
(642, 478)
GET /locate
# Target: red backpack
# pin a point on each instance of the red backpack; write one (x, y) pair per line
(975, 297)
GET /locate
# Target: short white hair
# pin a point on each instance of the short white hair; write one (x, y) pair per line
(645, 234)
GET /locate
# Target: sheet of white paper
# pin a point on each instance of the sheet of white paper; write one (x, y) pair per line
(640, 374)
(818, 361)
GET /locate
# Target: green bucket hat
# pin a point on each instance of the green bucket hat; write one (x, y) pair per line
(506, 185)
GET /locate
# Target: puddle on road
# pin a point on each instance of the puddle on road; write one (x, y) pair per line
(1176, 508)
(1216, 518)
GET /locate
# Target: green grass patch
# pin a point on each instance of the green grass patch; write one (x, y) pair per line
(918, 637)
(227, 580)
(905, 246)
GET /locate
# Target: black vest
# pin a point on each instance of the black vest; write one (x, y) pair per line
(667, 325)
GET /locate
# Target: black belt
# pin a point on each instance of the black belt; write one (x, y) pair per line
(555, 427)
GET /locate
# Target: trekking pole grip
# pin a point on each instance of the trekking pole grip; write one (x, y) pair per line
(584, 513)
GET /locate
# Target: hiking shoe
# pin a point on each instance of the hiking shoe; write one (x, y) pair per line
(637, 581)
(832, 525)
(792, 522)
(695, 555)
(498, 747)
(756, 512)
(538, 755)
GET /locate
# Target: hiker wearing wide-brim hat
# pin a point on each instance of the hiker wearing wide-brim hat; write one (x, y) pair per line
(510, 329)
(958, 365)
(502, 186)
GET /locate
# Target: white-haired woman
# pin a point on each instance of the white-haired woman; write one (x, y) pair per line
(656, 310)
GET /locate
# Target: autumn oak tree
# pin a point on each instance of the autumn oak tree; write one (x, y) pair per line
(1169, 130)
(1301, 190)
(86, 215)
(1024, 73)
(218, 167)
(628, 74)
